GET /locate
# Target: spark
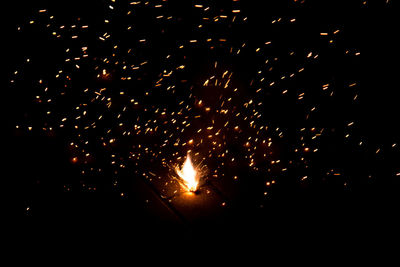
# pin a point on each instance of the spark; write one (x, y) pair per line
(189, 176)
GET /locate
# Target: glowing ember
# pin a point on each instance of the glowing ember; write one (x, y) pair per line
(188, 174)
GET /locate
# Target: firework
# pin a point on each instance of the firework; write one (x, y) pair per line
(149, 86)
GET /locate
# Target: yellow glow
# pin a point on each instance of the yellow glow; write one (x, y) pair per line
(189, 175)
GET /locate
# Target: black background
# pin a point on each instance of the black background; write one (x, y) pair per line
(321, 213)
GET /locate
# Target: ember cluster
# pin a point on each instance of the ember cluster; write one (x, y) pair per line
(256, 98)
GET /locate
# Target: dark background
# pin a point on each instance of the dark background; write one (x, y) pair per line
(322, 212)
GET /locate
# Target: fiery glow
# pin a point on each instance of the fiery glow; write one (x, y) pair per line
(188, 174)
(184, 102)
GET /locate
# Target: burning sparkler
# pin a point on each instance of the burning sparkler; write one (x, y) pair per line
(189, 176)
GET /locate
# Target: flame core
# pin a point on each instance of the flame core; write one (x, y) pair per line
(188, 175)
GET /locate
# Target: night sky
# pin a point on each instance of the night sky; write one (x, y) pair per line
(288, 110)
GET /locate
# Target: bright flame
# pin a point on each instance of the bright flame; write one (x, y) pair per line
(189, 175)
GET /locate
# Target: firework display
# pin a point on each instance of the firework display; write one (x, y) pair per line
(207, 104)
